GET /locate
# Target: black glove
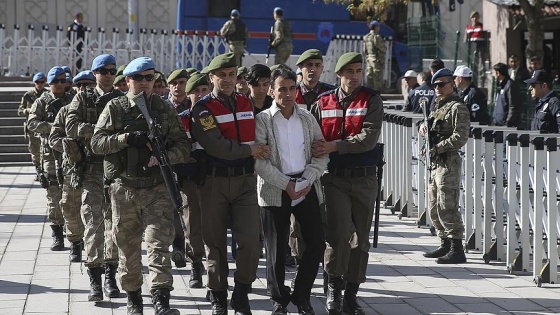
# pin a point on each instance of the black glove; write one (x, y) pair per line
(137, 139)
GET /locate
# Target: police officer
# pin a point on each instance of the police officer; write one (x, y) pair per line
(421, 94)
(282, 37)
(27, 100)
(137, 190)
(41, 117)
(350, 117)
(310, 62)
(374, 50)
(547, 111)
(236, 34)
(224, 125)
(96, 211)
(448, 130)
(472, 96)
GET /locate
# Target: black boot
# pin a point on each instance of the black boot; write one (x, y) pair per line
(443, 249)
(239, 300)
(178, 254)
(219, 302)
(37, 172)
(76, 251)
(134, 304)
(351, 305)
(58, 238)
(334, 295)
(197, 268)
(110, 287)
(160, 299)
(456, 254)
(95, 293)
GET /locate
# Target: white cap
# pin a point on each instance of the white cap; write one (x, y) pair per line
(463, 72)
(410, 74)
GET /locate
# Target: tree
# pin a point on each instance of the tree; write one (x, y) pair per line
(535, 30)
(371, 9)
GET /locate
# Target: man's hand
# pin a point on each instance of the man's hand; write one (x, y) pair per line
(423, 130)
(153, 161)
(322, 147)
(137, 139)
(260, 151)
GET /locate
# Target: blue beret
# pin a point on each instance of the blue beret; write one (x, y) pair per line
(138, 65)
(38, 76)
(103, 60)
(84, 75)
(66, 69)
(375, 23)
(278, 9)
(441, 73)
(234, 12)
(53, 73)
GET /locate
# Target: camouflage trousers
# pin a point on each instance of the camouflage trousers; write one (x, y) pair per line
(54, 193)
(34, 146)
(237, 48)
(148, 211)
(283, 52)
(374, 73)
(96, 215)
(70, 204)
(443, 197)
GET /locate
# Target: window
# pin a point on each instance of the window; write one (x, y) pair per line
(222, 8)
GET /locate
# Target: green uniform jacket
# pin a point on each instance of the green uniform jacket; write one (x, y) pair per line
(451, 124)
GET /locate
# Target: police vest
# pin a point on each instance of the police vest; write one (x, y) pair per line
(239, 34)
(338, 123)
(475, 33)
(300, 101)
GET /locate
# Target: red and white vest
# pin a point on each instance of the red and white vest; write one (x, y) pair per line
(228, 122)
(475, 33)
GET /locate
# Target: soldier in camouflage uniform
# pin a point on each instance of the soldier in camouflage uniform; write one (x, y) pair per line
(96, 211)
(447, 130)
(41, 118)
(374, 50)
(26, 101)
(236, 34)
(282, 41)
(139, 197)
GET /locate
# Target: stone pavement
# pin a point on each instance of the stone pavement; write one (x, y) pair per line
(399, 281)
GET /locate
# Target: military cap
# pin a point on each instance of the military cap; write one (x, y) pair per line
(235, 12)
(539, 76)
(309, 54)
(120, 69)
(191, 71)
(138, 65)
(119, 79)
(195, 81)
(38, 76)
(473, 13)
(84, 75)
(221, 62)
(177, 74)
(441, 73)
(158, 76)
(102, 61)
(346, 59)
(241, 71)
(66, 69)
(374, 23)
(278, 9)
(53, 73)
(204, 70)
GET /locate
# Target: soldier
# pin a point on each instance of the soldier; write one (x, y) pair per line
(258, 78)
(27, 100)
(311, 65)
(547, 111)
(139, 196)
(374, 50)
(120, 84)
(282, 37)
(472, 96)
(41, 118)
(160, 86)
(83, 80)
(507, 107)
(224, 125)
(236, 34)
(475, 35)
(448, 130)
(350, 117)
(241, 85)
(102, 254)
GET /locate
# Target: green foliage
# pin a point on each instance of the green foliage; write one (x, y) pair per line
(368, 9)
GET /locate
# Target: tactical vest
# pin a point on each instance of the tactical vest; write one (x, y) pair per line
(52, 107)
(239, 34)
(300, 101)
(338, 123)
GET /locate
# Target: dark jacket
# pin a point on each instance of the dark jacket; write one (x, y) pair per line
(507, 104)
(421, 93)
(521, 75)
(477, 103)
(547, 114)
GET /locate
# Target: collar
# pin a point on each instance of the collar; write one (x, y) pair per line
(176, 104)
(305, 89)
(77, 23)
(342, 96)
(274, 109)
(545, 98)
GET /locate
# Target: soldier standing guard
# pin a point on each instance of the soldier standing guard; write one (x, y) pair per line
(350, 117)
(26, 101)
(282, 37)
(139, 196)
(41, 117)
(224, 125)
(236, 34)
(311, 65)
(96, 210)
(374, 49)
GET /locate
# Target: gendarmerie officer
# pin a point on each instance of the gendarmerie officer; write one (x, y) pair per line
(311, 65)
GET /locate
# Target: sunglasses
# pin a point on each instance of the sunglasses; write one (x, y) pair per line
(55, 81)
(104, 71)
(80, 85)
(441, 84)
(40, 82)
(140, 77)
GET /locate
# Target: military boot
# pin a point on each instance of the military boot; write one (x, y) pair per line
(160, 299)
(37, 172)
(239, 299)
(134, 304)
(178, 254)
(219, 302)
(110, 287)
(95, 293)
(76, 251)
(456, 254)
(443, 249)
(58, 238)
(197, 268)
(351, 305)
(334, 295)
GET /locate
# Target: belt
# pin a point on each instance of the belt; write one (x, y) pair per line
(230, 171)
(141, 183)
(353, 172)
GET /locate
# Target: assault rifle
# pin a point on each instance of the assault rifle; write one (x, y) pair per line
(427, 145)
(270, 39)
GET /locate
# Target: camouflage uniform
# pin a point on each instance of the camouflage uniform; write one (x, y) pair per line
(139, 197)
(282, 41)
(236, 33)
(34, 141)
(374, 48)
